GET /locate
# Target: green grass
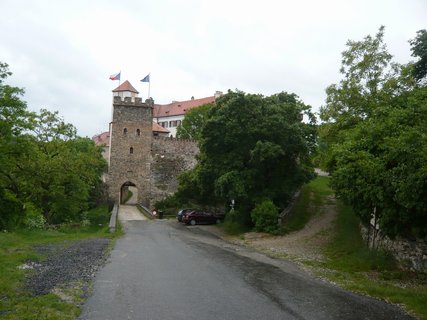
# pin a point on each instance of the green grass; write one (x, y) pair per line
(17, 248)
(372, 272)
(312, 197)
(350, 263)
(348, 252)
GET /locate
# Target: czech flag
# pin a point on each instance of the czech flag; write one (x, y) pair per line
(115, 76)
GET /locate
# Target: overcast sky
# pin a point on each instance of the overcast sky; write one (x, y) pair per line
(63, 52)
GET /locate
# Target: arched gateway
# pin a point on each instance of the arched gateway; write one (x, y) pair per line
(129, 161)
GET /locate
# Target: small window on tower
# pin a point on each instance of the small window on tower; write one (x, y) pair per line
(138, 132)
(125, 131)
(131, 150)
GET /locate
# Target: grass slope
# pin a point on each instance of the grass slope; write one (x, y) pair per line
(16, 248)
(351, 264)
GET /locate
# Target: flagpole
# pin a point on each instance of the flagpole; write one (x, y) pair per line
(149, 84)
(120, 76)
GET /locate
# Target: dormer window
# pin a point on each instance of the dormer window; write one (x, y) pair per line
(125, 131)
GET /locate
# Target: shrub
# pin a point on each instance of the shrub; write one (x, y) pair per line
(34, 218)
(264, 217)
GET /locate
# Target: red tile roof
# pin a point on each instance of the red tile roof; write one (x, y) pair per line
(177, 108)
(102, 139)
(159, 128)
(125, 86)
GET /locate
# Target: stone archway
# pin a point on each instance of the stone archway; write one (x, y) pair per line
(129, 193)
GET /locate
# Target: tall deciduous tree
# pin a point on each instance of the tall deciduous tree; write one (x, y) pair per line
(45, 169)
(374, 139)
(252, 148)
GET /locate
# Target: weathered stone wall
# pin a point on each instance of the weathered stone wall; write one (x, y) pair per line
(130, 156)
(170, 157)
(410, 254)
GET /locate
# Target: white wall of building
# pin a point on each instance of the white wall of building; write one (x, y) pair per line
(171, 123)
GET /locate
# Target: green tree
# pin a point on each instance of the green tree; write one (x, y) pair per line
(192, 125)
(252, 148)
(68, 167)
(45, 168)
(374, 140)
(419, 50)
(14, 119)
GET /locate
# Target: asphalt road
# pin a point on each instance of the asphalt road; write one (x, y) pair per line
(165, 270)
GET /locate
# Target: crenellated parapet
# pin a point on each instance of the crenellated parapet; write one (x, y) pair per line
(132, 101)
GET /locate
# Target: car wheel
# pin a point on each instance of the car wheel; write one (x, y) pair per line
(218, 221)
(193, 222)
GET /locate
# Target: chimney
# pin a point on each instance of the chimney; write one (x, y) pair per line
(217, 94)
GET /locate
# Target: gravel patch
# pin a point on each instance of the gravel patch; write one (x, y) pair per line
(77, 262)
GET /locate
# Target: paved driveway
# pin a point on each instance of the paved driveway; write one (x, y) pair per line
(130, 213)
(165, 270)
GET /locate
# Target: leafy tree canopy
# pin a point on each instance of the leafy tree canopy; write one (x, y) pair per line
(192, 125)
(373, 139)
(45, 168)
(252, 148)
(419, 50)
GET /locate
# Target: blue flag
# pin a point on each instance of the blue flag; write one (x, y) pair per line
(146, 79)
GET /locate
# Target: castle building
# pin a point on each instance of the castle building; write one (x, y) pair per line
(170, 115)
(139, 152)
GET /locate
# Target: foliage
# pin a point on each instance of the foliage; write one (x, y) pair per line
(419, 49)
(251, 148)
(33, 217)
(171, 205)
(43, 164)
(264, 217)
(231, 227)
(348, 251)
(374, 141)
(371, 272)
(192, 125)
(351, 264)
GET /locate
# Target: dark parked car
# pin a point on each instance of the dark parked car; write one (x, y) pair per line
(200, 217)
(182, 212)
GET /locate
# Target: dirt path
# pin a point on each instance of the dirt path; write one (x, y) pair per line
(307, 243)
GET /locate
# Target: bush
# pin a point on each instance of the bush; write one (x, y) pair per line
(97, 217)
(33, 217)
(264, 216)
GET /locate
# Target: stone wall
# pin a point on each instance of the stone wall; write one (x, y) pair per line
(410, 254)
(170, 157)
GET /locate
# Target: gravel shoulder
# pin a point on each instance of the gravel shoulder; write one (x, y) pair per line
(67, 265)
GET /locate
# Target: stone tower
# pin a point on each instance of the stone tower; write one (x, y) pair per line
(129, 162)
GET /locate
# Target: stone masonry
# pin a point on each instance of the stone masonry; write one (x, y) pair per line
(410, 254)
(151, 164)
(130, 147)
(170, 157)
